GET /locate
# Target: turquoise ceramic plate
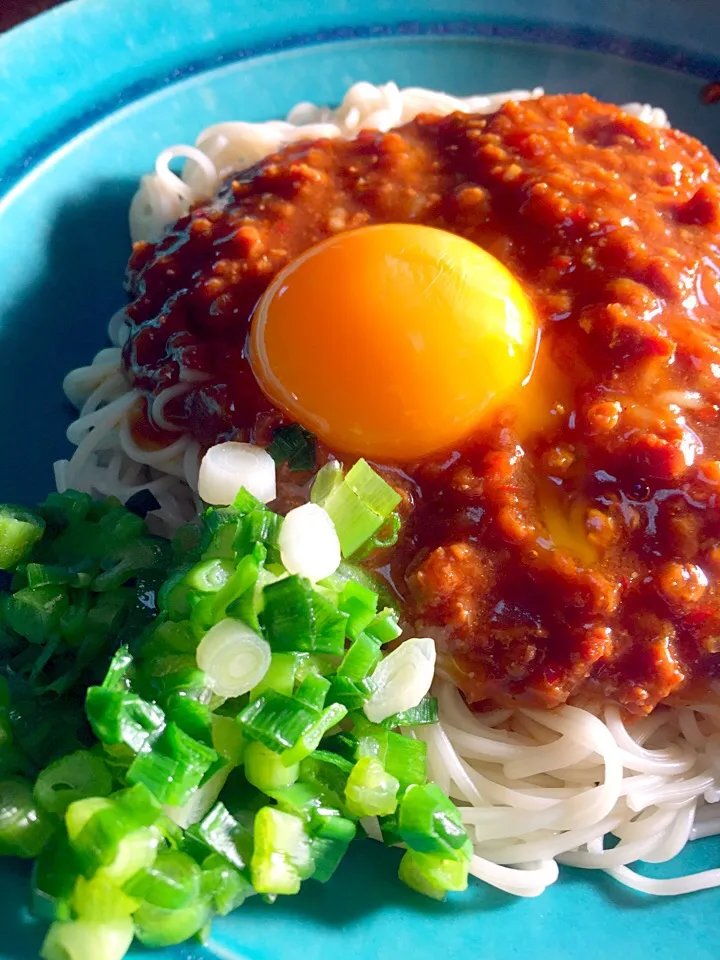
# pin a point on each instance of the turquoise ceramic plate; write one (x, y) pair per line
(88, 95)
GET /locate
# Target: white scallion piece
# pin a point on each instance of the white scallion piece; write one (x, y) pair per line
(233, 657)
(401, 679)
(309, 544)
(227, 467)
(201, 801)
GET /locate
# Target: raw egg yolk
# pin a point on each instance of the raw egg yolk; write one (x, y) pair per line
(392, 341)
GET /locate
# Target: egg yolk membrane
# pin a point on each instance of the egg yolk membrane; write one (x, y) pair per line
(392, 341)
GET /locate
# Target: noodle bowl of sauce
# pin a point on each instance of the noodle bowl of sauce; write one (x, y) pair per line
(556, 448)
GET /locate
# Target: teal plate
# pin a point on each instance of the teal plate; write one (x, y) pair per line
(88, 95)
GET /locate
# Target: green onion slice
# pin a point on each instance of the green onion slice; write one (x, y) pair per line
(80, 939)
(371, 791)
(234, 658)
(401, 679)
(74, 777)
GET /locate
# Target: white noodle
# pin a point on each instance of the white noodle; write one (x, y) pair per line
(654, 815)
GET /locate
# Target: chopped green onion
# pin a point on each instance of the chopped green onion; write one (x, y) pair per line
(134, 852)
(114, 834)
(53, 879)
(360, 659)
(259, 528)
(80, 939)
(156, 927)
(24, 828)
(62, 509)
(329, 773)
(174, 767)
(310, 739)
(403, 757)
(360, 604)
(245, 502)
(234, 658)
(281, 857)
(276, 720)
(42, 574)
(312, 691)
(226, 719)
(219, 832)
(293, 445)
(343, 744)
(386, 536)
(370, 487)
(355, 522)
(226, 886)
(359, 506)
(431, 875)
(119, 526)
(352, 694)
(35, 612)
(266, 770)
(185, 541)
(116, 677)
(174, 673)
(280, 675)
(352, 571)
(371, 791)
(384, 627)
(169, 637)
(150, 553)
(401, 679)
(227, 739)
(327, 854)
(329, 824)
(174, 595)
(220, 544)
(424, 713)
(74, 777)
(326, 480)
(390, 831)
(430, 823)
(208, 576)
(241, 583)
(99, 900)
(215, 518)
(201, 800)
(119, 717)
(171, 882)
(297, 618)
(325, 758)
(193, 718)
(20, 530)
(79, 814)
(314, 664)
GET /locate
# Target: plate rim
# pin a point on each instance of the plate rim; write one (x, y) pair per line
(84, 118)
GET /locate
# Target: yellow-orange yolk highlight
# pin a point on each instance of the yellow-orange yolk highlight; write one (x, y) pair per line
(393, 341)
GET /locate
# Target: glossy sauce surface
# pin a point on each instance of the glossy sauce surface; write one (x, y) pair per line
(572, 547)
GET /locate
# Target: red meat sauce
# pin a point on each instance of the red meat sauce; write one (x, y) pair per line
(571, 548)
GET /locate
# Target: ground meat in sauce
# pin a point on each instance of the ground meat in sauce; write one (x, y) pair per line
(572, 548)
